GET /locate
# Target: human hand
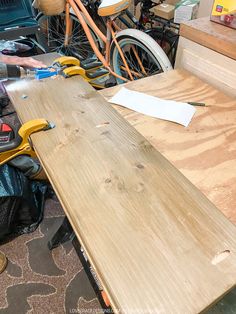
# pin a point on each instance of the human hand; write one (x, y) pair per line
(22, 61)
(31, 63)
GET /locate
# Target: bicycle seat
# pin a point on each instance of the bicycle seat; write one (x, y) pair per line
(111, 7)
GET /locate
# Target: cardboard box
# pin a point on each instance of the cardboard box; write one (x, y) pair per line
(224, 12)
(186, 10)
(166, 11)
(172, 2)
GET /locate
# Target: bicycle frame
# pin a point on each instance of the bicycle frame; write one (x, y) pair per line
(80, 10)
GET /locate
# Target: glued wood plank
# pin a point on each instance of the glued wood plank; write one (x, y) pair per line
(152, 237)
(211, 35)
(205, 152)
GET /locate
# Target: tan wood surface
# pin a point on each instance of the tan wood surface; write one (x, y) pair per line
(211, 35)
(152, 237)
(209, 65)
(205, 152)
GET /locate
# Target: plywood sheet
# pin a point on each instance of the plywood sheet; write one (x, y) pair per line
(211, 35)
(152, 237)
(205, 152)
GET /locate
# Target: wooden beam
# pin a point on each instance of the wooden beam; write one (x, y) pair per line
(154, 239)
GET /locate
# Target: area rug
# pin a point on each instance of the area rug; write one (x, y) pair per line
(38, 280)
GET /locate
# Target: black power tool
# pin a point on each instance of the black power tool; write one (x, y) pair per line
(11, 72)
(14, 72)
(6, 133)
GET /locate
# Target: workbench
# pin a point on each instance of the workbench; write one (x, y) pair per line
(157, 244)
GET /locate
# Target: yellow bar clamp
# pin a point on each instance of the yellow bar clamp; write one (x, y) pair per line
(92, 72)
(22, 145)
(67, 61)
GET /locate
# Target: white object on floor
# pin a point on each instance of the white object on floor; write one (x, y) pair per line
(170, 110)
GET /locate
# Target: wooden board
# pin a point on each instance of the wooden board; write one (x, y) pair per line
(205, 152)
(151, 236)
(207, 64)
(211, 35)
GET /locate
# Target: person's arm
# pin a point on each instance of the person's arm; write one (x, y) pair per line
(22, 61)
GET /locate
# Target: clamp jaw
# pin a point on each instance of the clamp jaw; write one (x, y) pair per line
(22, 145)
(91, 70)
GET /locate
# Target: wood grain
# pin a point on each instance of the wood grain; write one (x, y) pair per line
(205, 152)
(152, 237)
(211, 35)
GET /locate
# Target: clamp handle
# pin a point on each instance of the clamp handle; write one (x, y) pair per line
(21, 145)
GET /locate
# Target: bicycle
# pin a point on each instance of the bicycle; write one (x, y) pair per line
(165, 32)
(127, 54)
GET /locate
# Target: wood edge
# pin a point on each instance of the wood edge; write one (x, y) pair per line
(229, 289)
(70, 217)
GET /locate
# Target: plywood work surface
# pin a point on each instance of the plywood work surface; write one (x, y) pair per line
(156, 242)
(211, 35)
(205, 152)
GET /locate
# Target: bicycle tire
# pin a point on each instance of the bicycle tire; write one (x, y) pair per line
(146, 47)
(168, 41)
(53, 29)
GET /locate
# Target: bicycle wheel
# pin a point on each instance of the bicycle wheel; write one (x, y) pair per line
(168, 40)
(138, 46)
(53, 31)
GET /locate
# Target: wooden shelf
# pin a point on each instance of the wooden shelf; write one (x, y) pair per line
(211, 35)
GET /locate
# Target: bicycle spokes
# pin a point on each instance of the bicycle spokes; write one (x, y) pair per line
(139, 62)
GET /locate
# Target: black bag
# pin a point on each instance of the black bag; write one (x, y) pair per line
(21, 202)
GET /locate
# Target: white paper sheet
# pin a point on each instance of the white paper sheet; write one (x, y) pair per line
(170, 110)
